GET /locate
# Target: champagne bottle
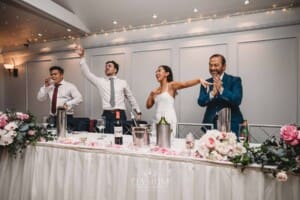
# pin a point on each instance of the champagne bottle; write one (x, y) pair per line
(118, 130)
(244, 134)
(163, 120)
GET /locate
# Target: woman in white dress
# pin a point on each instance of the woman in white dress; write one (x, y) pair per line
(163, 97)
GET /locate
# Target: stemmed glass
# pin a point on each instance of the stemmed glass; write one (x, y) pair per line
(100, 124)
(45, 122)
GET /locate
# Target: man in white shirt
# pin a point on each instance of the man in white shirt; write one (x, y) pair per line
(112, 90)
(61, 94)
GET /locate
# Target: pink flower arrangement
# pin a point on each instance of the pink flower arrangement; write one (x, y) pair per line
(219, 146)
(17, 130)
(290, 135)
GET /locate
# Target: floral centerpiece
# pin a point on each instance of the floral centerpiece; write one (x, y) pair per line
(17, 130)
(284, 154)
(219, 146)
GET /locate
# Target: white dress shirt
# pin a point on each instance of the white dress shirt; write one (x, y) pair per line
(67, 94)
(122, 89)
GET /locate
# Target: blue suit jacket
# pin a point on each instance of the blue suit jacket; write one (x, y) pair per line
(231, 98)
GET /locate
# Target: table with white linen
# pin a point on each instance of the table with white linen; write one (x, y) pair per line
(56, 171)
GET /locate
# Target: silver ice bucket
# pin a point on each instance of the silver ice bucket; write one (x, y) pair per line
(140, 136)
(61, 122)
(163, 135)
(224, 120)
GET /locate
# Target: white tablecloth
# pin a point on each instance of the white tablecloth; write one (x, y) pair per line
(50, 171)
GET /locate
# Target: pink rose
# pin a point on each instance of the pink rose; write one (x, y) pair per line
(31, 132)
(3, 121)
(211, 143)
(288, 133)
(224, 135)
(42, 139)
(281, 176)
(25, 116)
(22, 116)
(295, 142)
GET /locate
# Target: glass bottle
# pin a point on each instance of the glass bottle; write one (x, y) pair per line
(244, 133)
(118, 130)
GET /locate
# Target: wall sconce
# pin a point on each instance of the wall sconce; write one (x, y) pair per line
(11, 69)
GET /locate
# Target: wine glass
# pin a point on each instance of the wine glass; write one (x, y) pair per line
(45, 122)
(100, 124)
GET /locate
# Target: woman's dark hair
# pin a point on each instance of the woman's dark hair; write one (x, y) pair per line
(168, 69)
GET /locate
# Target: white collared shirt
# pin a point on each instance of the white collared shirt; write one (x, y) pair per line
(67, 94)
(122, 89)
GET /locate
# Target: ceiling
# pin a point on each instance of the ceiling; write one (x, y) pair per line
(25, 22)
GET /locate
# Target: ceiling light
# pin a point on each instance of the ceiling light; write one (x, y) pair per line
(154, 16)
(246, 2)
(195, 10)
(69, 30)
(115, 22)
(40, 35)
(284, 9)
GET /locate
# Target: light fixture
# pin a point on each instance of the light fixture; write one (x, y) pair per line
(11, 69)
(246, 2)
(115, 22)
(195, 10)
(154, 16)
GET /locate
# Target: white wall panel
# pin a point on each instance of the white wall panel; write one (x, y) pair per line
(2, 93)
(193, 65)
(37, 72)
(97, 67)
(269, 74)
(144, 65)
(15, 90)
(261, 57)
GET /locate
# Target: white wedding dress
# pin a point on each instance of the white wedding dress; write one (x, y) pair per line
(164, 106)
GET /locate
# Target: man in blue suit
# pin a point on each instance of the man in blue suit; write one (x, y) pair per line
(225, 92)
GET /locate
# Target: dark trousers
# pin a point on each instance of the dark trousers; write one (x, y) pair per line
(70, 122)
(110, 117)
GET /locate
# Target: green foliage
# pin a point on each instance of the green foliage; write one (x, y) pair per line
(273, 153)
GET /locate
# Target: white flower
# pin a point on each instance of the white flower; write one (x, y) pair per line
(203, 151)
(11, 126)
(238, 149)
(215, 156)
(223, 148)
(216, 145)
(6, 139)
(281, 176)
(2, 132)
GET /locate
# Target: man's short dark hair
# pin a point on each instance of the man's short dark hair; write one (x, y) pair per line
(116, 65)
(60, 69)
(220, 56)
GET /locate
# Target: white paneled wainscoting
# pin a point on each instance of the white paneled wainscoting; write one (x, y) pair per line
(267, 60)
